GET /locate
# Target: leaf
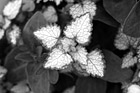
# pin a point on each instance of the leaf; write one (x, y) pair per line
(34, 23)
(90, 85)
(80, 28)
(95, 64)
(132, 23)
(129, 60)
(15, 67)
(53, 76)
(48, 35)
(24, 57)
(58, 60)
(119, 9)
(114, 72)
(38, 83)
(105, 17)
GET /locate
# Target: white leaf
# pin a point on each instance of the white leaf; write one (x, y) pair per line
(58, 2)
(80, 55)
(80, 28)
(88, 7)
(3, 71)
(48, 35)
(12, 8)
(58, 59)
(14, 34)
(129, 60)
(95, 64)
(134, 88)
(1, 33)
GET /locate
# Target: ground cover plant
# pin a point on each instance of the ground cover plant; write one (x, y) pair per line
(69, 46)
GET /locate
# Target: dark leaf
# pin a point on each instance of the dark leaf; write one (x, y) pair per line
(15, 67)
(39, 50)
(24, 57)
(38, 83)
(119, 9)
(53, 76)
(90, 85)
(131, 26)
(113, 71)
(103, 16)
(35, 22)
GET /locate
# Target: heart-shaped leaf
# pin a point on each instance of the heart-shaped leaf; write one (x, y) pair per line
(15, 67)
(38, 83)
(103, 16)
(119, 9)
(113, 71)
(132, 24)
(90, 85)
(24, 57)
(34, 23)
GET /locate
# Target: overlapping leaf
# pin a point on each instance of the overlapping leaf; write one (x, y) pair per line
(132, 23)
(119, 9)
(80, 28)
(38, 83)
(48, 35)
(103, 16)
(34, 23)
(114, 72)
(57, 59)
(15, 67)
(95, 64)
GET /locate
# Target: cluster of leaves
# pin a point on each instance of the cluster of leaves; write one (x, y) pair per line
(28, 59)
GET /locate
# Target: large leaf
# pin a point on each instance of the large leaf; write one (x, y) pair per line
(39, 83)
(103, 16)
(131, 26)
(119, 9)
(90, 85)
(15, 67)
(34, 23)
(113, 71)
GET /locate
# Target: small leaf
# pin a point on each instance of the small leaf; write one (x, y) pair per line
(129, 60)
(24, 57)
(90, 85)
(114, 72)
(15, 67)
(34, 23)
(39, 50)
(53, 76)
(38, 83)
(132, 23)
(119, 9)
